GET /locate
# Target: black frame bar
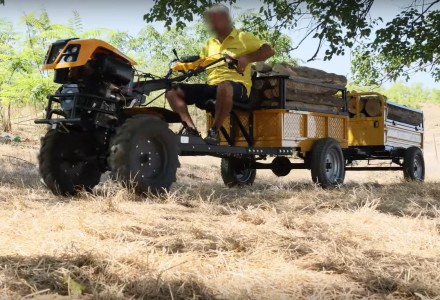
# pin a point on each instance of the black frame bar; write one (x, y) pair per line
(234, 121)
(374, 168)
(192, 145)
(76, 105)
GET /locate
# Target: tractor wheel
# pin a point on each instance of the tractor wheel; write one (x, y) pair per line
(327, 163)
(281, 166)
(68, 162)
(235, 172)
(413, 164)
(144, 155)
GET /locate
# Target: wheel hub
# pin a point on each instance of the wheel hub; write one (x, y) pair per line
(332, 165)
(150, 161)
(417, 167)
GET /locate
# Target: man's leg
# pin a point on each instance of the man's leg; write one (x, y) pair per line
(176, 99)
(223, 104)
(223, 107)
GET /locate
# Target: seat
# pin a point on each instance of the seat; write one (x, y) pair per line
(252, 104)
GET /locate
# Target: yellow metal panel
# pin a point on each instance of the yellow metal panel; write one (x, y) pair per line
(366, 132)
(268, 124)
(88, 49)
(283, 128)
(375, 131)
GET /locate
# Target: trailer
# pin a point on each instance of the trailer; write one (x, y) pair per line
(393, 133)
(99, 121)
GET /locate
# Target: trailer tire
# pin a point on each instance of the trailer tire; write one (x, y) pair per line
(327, 163)
(68, 162)
(235, 173)
(413, 164)
(144, 155)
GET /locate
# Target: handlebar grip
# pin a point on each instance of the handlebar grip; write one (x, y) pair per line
(232, 63)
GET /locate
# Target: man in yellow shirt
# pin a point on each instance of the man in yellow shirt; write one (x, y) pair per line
(224, 85)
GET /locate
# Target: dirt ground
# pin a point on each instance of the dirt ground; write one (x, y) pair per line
(376, 237)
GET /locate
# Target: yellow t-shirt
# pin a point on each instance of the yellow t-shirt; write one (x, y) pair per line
(237, 43)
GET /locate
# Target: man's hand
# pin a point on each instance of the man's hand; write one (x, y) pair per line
(242, 63)
(261, 54)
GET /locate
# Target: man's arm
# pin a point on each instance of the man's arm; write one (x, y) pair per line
(263, 53)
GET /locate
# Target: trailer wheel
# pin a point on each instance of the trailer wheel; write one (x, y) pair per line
(144, 155)
(413, 164)
(327, 163)
(68, 162)
(235, 172)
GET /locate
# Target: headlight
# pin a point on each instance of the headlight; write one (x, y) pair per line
(71, 53)
(74, 49)
(68, 58)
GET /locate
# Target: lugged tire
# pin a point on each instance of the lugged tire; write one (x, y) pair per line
(234, 173)
(414, 164)
(327, 163)
(144, 155)
(68, 162)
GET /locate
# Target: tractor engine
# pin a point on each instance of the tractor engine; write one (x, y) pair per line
(95, 80)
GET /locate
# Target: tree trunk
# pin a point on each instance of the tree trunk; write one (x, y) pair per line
(373, 107)
(262, 67)
(312, 107)
(6, 118)
(400, 114)
(352, 105)
(328, 100)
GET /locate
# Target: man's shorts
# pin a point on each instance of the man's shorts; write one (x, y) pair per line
(202, 94)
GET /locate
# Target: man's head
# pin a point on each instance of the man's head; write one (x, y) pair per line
(218, 18)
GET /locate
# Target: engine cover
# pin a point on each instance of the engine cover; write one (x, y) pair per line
(113, 70)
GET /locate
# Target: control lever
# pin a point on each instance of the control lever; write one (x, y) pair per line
(175, 54)
(232, 63)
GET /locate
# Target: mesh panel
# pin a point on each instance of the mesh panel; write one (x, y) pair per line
(336, 128)
(293, 125)
(316, 127)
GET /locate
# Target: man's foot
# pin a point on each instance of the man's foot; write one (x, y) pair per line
(189, 131)
(213, 137)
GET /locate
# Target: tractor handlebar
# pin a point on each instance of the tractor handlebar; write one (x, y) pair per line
(196, 66)
(189, 69)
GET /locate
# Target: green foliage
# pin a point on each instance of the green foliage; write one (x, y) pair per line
(413, 95)
(21, 55)
(406, 44)
(279, 41)
(336, 23)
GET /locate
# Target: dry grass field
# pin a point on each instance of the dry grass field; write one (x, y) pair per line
(376, 237)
